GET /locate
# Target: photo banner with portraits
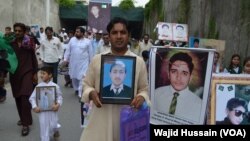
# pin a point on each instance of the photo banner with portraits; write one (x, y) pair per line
(230, 96)
(98, 17)
(218, 45)
(172, 31)
(179, 85)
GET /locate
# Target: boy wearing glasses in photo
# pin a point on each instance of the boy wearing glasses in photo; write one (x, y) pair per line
(235, 110)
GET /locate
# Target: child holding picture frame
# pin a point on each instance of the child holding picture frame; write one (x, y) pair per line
(46, 100)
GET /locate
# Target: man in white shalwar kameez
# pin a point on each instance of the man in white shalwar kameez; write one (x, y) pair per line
(48, 119)
(78, 54)
(104, 120)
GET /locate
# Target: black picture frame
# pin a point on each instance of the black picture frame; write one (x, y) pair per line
(51, 97)
(120, 95)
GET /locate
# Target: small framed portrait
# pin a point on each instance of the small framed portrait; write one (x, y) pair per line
(180, 32)
(165, 31)
(117, 79)
(46, 97)
(230, 96)
(35, 30)
(194, 42)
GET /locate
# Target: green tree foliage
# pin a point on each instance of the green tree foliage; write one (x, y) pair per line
(183, 11)
(127, 4)
(66, 3)
(154, 6)
(153, 12)
(244, 14)
(212, 31)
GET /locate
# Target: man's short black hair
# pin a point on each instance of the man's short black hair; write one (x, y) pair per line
(234, 103)
(146, 35)
(117, 62)
(49, 28)
(164, 25)
(145, 54)
(8, 27)
(21, 25)
(47, 69)
(116, 20)
(180, 26)
(181, 56)
(196, 41)
(81, 29)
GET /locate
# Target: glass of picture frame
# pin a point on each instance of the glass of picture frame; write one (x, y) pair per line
(117, 79)
(190, 78)
(45, 97)
(225, 88)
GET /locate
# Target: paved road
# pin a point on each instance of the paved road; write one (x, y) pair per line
(69, 118)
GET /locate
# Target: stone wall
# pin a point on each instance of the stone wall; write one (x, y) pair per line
(28, 12)
(226, 15)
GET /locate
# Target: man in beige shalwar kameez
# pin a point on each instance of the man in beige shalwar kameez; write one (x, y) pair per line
(104, 123)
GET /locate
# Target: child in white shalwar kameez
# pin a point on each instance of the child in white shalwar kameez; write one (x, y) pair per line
(48, 119)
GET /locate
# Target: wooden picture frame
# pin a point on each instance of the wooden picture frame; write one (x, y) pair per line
(117, 71)
(46, 97)
(223, 88)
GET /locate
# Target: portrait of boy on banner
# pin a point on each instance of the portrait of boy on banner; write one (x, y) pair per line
(194, 42)
(165, 31)
(35, 30)
(98, 17)
(180, 32)
(180, 80)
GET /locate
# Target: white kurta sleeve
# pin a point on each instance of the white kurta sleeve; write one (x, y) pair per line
(59, 95)
(42, 51)
(60, 50)
(67, 51)
(142, 84)
(90, 51)
(32, 99)
(89, 81)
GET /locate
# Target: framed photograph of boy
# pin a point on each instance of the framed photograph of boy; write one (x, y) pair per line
(179, 85)
(180, 32)
(165, 31)
(230, 96)
(117, 79)
(35, 30)
(45, 97)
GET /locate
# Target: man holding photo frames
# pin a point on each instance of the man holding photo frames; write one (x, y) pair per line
(105, 118)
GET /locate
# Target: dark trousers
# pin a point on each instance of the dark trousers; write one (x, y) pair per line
(2, 79)
(55, 70)
(24, 110)
(67, 79)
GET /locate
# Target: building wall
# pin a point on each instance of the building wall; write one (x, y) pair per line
(28, 12)
(227, 18)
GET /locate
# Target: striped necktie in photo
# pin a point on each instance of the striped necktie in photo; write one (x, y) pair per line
(116, 91)
(173, 103)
